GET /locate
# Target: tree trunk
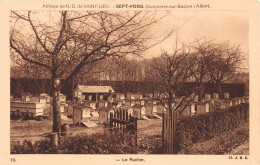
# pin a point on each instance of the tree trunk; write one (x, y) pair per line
(200, 92)
(56, 127)
(220, 90)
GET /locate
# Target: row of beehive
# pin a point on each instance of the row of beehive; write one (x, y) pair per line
(139, 108)
(34, 105)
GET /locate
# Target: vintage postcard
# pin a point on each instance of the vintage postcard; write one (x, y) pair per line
(130, 82)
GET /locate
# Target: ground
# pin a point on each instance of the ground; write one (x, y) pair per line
(149, 137)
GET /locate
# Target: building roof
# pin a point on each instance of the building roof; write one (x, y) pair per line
(94, 89)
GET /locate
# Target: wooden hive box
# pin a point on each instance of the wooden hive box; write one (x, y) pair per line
(64, 108)
(149, 109)
(220, 104)
(92, 104)
(130, 96)
(26, 108)
(226, 95)
(207, 97)
(186, 111)
(48, 97)
(38, 99)
(47, 109)
(151, 101)
(129, 102)
(120, 96)
(236, 101)
(139, 101)
(81, 114)
(26, 97)
(160, 109)
(71, 107)
(138, 111)
(129, 109)
(104, 114)
(119, 103)
(203, 107)
(62, 98)
(102, 103)
(190, 109)
(246, 99)
(138, 96)
(215, 96)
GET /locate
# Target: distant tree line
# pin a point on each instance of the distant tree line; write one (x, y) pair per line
(20, 86)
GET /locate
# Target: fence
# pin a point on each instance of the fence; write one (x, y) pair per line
(121, 121)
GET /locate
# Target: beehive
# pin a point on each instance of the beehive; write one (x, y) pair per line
(102, 103)
(81, 113)
(26, 108)
(104, 114)
(129, 102)
(215, 96)
(38, 99)
(207, 97)
(91, 104)
(138, 111)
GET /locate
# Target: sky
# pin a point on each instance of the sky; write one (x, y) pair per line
(220, 26)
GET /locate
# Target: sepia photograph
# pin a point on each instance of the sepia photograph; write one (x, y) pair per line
(120, 82)
(129, 82)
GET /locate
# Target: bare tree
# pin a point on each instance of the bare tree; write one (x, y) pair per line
(224, 63)
(201, 50)
(174, 70)
(63, 42)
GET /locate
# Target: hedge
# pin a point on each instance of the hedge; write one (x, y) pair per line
(99, 143)
(203, 127)
(222, 144)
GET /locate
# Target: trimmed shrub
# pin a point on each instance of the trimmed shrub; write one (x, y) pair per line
(222, 144)
(99, 143)
(203, 127)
